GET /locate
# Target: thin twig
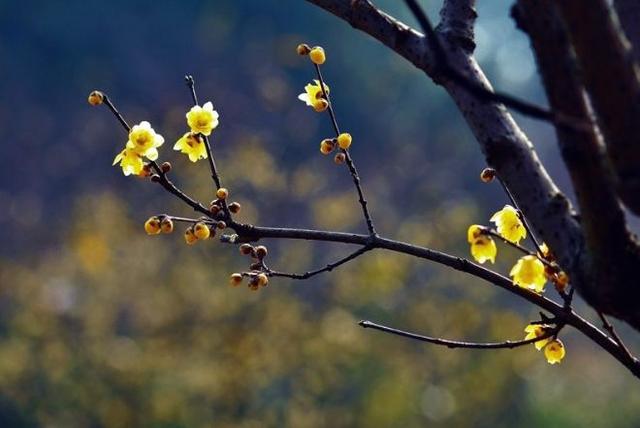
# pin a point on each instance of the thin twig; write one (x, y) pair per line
(614, 335)
(115, 112)
(328, 268)
(349, 161)
(507, 344)
(520, 214)
(495, 234)
(212, 162)
(478, 91)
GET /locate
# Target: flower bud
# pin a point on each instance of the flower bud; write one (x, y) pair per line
(303, 49)
(222, 193)
(96, 98)
(261, 252)
(246, 249)
(189, 237)
(221, 225)
(263, 280)
(214, 208)
(234, 207)
(166, 225)
(255, 266)
(326, 146)
(155, 178)
(339, 158)
(146, 170)
(344, 140)
(152, 226)
(487, 175)
(235, 279)
(165, 167)
(201, 230)
(320, 105)
(317, 55)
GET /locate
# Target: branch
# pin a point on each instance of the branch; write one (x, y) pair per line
(610, 76)
(612, 332)
(608, 242)
(161, 176)
(452, 344)
(628, 12)
(328, 268)
(350, 164)
(505, 146)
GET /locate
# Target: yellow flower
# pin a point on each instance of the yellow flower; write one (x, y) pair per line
(144, 140)
(528, 272)
(509, 225)
(203, 119)
(483, 248)
(130, 162)
(554, 351)
(191, 144)
(313, 95)
(537, 330)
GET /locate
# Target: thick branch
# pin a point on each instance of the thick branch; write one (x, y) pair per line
(611, 77)
(611, 254)
(629, 13)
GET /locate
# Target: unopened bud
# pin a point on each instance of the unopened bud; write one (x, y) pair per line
(320, 105)
(96, 98)
(263, 280)
(155, 178)
(303, 49)
(246, 249)
(261, 252)
(165, 167)
(317, 55)
(339, 158)
(487, 175)
(234, 207)
(221, 225)
(235, 279)
(222, 193)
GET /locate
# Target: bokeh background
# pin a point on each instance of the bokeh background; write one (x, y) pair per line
(103, 326)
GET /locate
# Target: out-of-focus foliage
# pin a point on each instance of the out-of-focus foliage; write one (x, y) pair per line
(102, 325)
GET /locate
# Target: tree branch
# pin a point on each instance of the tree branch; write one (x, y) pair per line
(610, 76)
(628, 11)
(452, 344)
(611, 254)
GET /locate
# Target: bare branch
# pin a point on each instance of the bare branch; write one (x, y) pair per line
(628, 12)
(612, 332)
(349, 161)
(608, 242)
(603, 53)
(328, 268)
(507, 344)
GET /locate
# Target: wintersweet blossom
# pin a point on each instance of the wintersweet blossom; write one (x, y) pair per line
(537, 330)
(313, 94)
(528, 272)
(509, 224)
(203, 119)
(130, 161)
(483, 248)
(192, 145)
(144, 140)
(554, 351)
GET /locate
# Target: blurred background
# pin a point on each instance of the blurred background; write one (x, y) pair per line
(104, 326)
